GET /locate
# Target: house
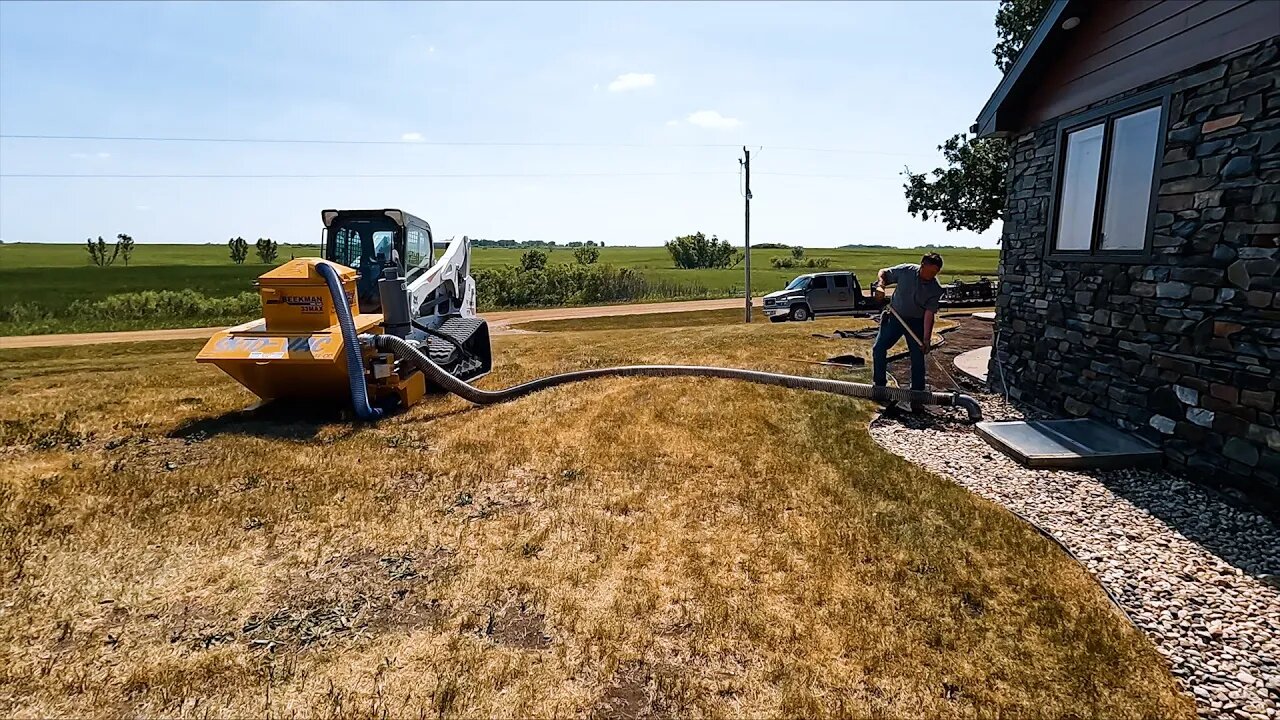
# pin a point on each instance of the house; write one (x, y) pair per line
(1138, 265)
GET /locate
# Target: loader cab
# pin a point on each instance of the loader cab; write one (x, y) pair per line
(370, 240)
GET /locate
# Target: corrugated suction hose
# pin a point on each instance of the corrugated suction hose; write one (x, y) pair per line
(355, 359)
(441, 378)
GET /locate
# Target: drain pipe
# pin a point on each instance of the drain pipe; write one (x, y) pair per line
(350, 345)
(441, 378)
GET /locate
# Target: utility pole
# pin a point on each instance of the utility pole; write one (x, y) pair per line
(746, 232)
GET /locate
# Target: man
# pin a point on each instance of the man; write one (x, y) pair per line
(916, 299)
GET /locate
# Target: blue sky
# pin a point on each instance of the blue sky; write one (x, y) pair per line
(882, 82)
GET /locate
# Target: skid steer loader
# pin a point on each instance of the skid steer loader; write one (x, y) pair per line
(393, 282)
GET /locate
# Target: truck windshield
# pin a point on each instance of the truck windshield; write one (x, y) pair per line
(799, 283)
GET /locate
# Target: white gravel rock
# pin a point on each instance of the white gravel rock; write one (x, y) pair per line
(1185, 564)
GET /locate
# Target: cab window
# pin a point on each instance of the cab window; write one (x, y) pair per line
(346, 247)
(417, 248)
(841, 281)
(819, 283)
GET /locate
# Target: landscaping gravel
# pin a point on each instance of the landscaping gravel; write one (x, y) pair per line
(1192, 570)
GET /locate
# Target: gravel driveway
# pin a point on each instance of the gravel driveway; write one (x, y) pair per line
(1198, 575)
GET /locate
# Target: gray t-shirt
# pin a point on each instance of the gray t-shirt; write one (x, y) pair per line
(911, 295)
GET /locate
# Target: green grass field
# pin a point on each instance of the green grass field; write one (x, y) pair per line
(40, 282)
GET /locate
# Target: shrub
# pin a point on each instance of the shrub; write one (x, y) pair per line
(784, 263)
(25, 312)
(557, 285)
(586, 255)
(98, 251)
(533, 260)
(267, 249)
(124, 246)
(699, 251)
(238, 248)
(166, 304)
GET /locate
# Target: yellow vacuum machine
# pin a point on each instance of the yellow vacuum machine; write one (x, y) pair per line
(383, 319)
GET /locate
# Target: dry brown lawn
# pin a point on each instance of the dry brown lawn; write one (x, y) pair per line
(623, 548)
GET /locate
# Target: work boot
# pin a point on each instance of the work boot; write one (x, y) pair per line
(917, 402)
(880, 394)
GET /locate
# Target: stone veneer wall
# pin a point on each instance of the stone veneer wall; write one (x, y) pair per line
(1184, 348)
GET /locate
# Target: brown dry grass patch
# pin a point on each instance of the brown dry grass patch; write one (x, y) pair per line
(624, 548)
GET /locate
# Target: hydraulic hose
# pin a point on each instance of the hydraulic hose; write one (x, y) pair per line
(350, 345)
(441, 377)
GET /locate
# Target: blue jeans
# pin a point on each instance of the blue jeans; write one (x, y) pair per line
(890, 333)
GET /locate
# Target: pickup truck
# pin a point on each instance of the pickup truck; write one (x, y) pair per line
(827, 293)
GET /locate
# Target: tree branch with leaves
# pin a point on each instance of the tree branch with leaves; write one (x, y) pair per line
(968, 193)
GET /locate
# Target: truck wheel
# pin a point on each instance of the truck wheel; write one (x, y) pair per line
(800, 313)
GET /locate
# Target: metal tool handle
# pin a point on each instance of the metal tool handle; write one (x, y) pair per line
(924, 348)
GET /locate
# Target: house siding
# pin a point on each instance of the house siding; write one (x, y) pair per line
(1121, 45)
(1181, 348)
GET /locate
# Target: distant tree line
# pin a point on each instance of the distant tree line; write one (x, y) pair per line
(930, 246)
(548, 244)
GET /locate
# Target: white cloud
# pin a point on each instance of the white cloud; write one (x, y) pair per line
(86, 156)
(431, 49)
(143, 208)
(713, 119)
(412, 137)
(632, 81)
(672, 123)
(103, 155)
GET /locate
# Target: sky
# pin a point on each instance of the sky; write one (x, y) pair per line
(623, 122)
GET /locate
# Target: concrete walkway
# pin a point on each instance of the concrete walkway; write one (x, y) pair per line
(974, 363)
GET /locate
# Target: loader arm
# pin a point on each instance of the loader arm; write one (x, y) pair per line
(446, 288)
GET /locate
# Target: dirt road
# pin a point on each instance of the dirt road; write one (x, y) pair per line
(499, 323)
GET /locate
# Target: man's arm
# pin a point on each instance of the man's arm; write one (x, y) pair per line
(890, 275)
(928, 330)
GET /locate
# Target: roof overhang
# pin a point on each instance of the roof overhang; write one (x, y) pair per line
(991, 121)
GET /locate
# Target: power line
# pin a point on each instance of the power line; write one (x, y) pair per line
(410, 176)
(370, 176)
(319, 141)
(825, 175)
(432, 143)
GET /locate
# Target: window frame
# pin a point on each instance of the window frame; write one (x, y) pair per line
(1106, 115)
